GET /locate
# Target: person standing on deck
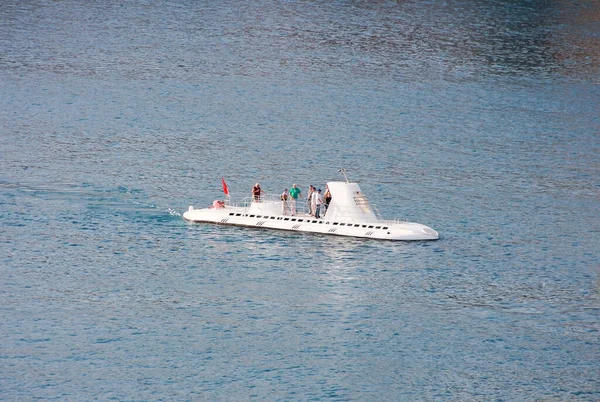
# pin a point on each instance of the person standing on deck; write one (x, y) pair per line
(284, 202)
(314, 203)
(295, 192)
(327, 198)
(311, 190)
(256, 192)
(319, 203)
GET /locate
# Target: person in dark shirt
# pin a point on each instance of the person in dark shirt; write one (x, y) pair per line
(327, 198)
(256, 192)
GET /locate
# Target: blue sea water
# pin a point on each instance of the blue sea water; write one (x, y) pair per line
(479, 119)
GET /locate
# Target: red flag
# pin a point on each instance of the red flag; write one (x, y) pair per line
(225, 189)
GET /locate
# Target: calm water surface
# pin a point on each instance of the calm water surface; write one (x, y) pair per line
(479, 119)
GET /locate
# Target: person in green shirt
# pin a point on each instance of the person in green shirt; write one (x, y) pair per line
(295, 192)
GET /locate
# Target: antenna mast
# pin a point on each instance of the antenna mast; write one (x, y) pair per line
(344, 173)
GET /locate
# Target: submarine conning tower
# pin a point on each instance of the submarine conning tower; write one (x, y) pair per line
(348, 204)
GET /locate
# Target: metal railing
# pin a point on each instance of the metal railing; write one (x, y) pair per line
(345, 214)
(270, 200)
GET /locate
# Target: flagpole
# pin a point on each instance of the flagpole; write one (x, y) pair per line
(225, 190)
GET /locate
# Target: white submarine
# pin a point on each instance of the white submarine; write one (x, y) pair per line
(348, 214)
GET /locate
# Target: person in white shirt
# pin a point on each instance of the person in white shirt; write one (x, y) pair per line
(317, 202)
(309, 198)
